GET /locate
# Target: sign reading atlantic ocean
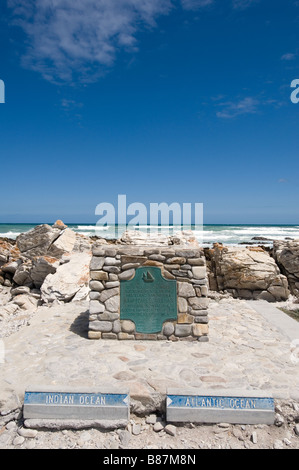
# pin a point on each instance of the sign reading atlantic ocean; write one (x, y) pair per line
(148, 300)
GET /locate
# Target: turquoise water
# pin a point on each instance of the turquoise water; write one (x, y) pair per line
(227, 234)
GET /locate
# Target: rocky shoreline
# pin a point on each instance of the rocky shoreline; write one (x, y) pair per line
(50, 264)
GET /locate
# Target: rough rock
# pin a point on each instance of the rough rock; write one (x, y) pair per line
(70, 282)
(37, 241)
(247, 273)
(286, 254)
(42, 266)
(63, 244)
(22, 275)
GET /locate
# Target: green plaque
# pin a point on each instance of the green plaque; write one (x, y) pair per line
(148, 300)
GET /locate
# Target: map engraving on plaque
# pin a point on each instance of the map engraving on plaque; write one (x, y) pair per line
(148, 300)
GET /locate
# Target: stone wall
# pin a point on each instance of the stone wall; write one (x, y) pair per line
(110, 265)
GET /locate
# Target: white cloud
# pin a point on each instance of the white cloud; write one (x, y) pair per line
(79, 40)
(242, 4)
(75, 38)
(195, 4)
(243, 106)
(288, 56)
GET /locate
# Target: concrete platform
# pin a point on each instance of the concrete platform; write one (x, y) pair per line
(247, 351)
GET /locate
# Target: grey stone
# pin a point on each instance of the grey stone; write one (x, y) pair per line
(186, 267)
(170, 429)
(199, 303)
(112, 269)
(182, 330)
(96, 286)
(116, 326)
(182, 305)
(98, 250)
(199, 272)
(99, 275)
(188, 253)
(109, 261)
(185, 289)
(157, 257)
(201, 318)
(158, 426)
(136, 429)
(108, 316)
(112, 304)
(103, 326)
(93, 295)
(97, 263)
(18, 441)
(96, 307)
(168, 329)
(125, 275)
(110, 252)
(128, 326)
(125, 437)
(107, 293)
(179, 273)
(130, 266)
(196, 261)
(27, 433)
(111, 284)
(109, 335)
(151, 419)
(20, 290)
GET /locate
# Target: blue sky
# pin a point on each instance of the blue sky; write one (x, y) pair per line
(161, 100)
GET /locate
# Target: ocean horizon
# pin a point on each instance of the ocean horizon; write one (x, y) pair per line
(228, 234)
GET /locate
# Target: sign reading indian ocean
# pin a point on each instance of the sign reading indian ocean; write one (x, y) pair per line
(75, 404)
(148, 300)
(254, 408)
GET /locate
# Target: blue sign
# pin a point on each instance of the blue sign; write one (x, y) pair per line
(220, 402)
(76, 399)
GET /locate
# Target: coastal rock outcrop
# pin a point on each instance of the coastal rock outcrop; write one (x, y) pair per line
(286, 255)
(70, 281)
(38, 255)
(248, 273)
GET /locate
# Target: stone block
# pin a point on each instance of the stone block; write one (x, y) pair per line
(225, 406)
(99, 275)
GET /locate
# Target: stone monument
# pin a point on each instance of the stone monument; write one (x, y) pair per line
(150, 291)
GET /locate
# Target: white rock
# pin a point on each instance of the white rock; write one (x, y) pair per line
(18, 441)
(27, 432)
(170, 429)
(70, 280)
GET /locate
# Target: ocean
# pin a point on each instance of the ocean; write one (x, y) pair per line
(226, 234)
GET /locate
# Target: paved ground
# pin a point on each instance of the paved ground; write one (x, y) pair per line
(246, 351)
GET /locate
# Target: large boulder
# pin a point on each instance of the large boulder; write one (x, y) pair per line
(70, 281)
(248, 273)
(286, 254)
(37, 241)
